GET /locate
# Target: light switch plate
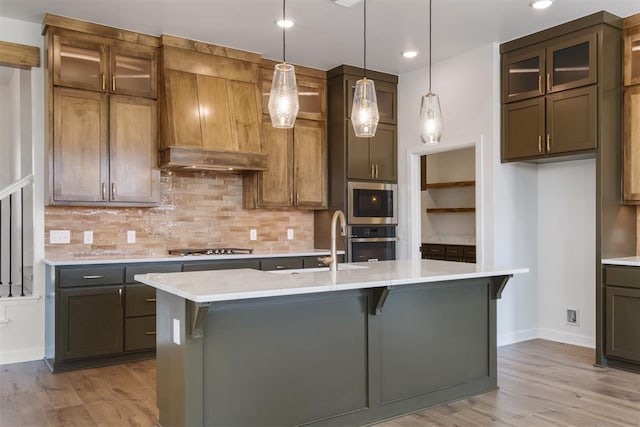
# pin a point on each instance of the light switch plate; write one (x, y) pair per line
(59, 236)
(289, 233)
(88, 237)
(253, 234)
(131, 236)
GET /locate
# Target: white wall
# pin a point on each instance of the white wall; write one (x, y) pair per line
(22, 322)
(566, 250)
(506, 202)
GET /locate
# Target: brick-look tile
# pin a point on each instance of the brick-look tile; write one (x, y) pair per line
(196, 210)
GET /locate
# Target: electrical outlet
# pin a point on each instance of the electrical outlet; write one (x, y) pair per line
(59, 236)
(573, 316)
(176, 331)
(88, 237)
(289, 233)
(253, 234)
(131, 236)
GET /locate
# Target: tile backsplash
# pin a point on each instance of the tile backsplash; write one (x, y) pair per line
(197, 209)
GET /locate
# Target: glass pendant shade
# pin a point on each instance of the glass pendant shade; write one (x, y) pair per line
(364, 113)
(430, 119)
(283, 99)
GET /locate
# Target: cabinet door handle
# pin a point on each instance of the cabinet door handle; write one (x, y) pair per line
(548, 82)
(104, 191)
(113, 191)
(373, 173)
(377, 170)
(113, 83)
(120, 295)
(150, 333)
(150, 300)
(94, 276)
(548, 143)
(539, 143)
(104, 82)
(291, 199)
(540, 84)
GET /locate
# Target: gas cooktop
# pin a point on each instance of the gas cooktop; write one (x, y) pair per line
(210, 251)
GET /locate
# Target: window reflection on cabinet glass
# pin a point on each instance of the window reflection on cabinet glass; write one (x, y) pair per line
(523, 76)
(132, 73)
(571, 64)
(79, 65)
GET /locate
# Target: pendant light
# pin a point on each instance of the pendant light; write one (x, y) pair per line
(364, 113)
(430, 114)
(283, 98)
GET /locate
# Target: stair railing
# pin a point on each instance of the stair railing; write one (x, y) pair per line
(7, 195)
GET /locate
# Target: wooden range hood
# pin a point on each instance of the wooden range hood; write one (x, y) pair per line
(210, 107)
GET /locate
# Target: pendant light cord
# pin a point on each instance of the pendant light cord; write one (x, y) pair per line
(429, 46)
(365, 40)
(284, 51)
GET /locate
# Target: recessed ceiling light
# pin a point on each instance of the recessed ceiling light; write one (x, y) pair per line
(541, 4)
(284, 23)
(410, 54)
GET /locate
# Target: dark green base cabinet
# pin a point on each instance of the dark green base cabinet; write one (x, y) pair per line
(623, 317)
(98, 315)
(324, 359)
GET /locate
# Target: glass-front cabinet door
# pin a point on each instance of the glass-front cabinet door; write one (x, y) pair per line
(632, 57)
(523, 75)
(79, 62)
(133, 70)
(386, 96)
(571, 63)
(312, 95)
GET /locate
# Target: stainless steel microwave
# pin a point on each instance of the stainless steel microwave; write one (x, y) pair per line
(372, 203)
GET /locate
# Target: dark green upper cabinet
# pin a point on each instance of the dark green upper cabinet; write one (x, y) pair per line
(555, 95)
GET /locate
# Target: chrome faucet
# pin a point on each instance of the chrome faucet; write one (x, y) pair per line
(332, 259)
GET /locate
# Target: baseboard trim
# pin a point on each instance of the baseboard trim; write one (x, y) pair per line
(567, 338)
(22, 355)
(517, 336)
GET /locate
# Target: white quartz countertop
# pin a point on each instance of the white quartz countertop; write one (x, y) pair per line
(188, 258)
(632, 261)
(227, 285)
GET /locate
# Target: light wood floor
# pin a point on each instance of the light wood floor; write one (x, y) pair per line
(542, 383)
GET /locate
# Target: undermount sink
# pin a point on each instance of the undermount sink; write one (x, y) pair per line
(341, 267)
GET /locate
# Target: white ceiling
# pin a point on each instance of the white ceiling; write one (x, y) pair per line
(325, 34)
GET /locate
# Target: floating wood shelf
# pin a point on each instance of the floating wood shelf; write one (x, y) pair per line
(450, 210)
(451, 184)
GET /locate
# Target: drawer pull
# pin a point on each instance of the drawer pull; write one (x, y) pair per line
(150, 333)
(95, 276)
(281, 267)
(150, 300)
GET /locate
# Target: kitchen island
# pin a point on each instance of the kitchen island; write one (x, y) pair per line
(365, 343)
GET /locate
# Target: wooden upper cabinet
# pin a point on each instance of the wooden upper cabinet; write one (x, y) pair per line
(386, 96)
(79, 62)
(375, 158)
(297, 166)
(133, 69)
(632, 50)
(571, 63)
(523, 75)
(275, 185)
(631, 165)
(550, 89)
(523, 129)
(80, 170)
(245, 116)
(571, 121)
(102, 129)
(312, 91)
(91, 62)
(212, 97)
(133, 171)
(310, 164)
